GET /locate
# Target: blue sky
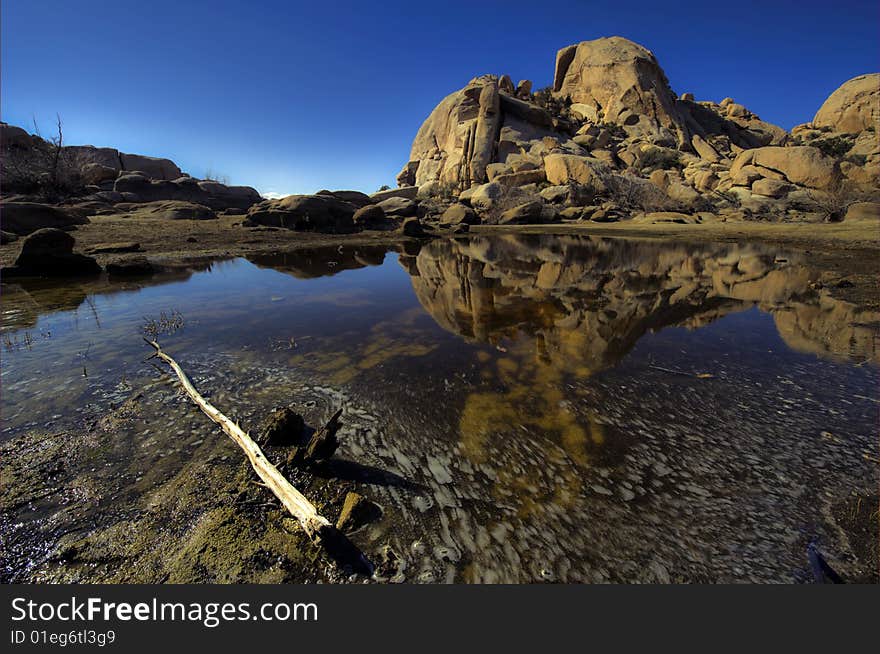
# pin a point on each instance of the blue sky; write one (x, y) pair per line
(292, 97)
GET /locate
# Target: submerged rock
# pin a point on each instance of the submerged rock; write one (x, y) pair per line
(134, 267)
(49, 252)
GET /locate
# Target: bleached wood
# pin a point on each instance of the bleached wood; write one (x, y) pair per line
(295, 502)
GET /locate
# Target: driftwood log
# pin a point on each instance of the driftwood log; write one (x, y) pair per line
(316, 526)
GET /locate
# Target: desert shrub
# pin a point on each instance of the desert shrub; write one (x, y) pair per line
(660, 159)
(834, 146)
(556, 106)
(833, 202)
(634, 193)
(46, 169)
(512, 197)
(857, 159)
(384, 187)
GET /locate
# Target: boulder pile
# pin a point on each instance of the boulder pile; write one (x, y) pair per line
(611, 134)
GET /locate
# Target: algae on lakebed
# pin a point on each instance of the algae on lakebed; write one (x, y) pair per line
(508, 403)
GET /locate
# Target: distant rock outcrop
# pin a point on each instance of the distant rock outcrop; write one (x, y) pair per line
(613, 132)
(106, 175)
(853, 108)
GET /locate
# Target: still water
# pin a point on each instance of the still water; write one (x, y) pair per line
(522, 408)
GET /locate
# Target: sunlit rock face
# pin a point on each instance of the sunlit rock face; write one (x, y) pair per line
(586, 301)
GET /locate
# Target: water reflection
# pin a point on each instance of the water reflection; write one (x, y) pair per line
(517, 390)
(586, 301)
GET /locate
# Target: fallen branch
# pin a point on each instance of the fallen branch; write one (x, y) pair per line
(316, 526)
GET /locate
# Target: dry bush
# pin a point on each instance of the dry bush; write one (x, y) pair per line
(46, 169)
(635, 193)
(834, 202)
(511, 198)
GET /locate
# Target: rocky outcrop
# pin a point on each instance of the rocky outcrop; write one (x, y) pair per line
(610, 103)
(26, 217)
(623, 84)
(802, 165)
(135, 187)
(853, 108)
(169, 210)
(49, 253)
(311, 213)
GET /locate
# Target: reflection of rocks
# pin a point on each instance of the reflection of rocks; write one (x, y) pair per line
(28, 299)
(587, 301)
(307, 263)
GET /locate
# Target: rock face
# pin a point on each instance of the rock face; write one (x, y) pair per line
(140, 188)
(622, 82)
(610, 102)
(49, 252)
(311, 213)
(853, 108)
(803, 165)
(26, 217)
(173, 210)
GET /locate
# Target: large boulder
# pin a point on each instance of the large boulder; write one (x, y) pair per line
(852, 108)
(357, 198)
(408, 192)
(803, 165)
(26, 217)
(622, 82)
(369, 217)
(154, 167)
(95, 173)
(49, 252)
(174, 210)
(399, 207)
(565, 168)
(314, 213)
(458, 213)
(220, 196)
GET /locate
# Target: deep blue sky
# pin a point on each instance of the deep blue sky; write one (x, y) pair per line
(296, 96)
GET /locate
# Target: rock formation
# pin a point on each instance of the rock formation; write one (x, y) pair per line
(612, 125)
(853, 108)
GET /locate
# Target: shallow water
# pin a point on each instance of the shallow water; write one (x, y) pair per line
(532, 408)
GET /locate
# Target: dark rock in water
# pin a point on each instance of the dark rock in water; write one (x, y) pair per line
(412, 227)
(49, 252)
(357, 511)
(282, 427)
(457, 214)
(463, 228)
(136, 266)
(304, 213)
(369, 217)
(26, 217)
